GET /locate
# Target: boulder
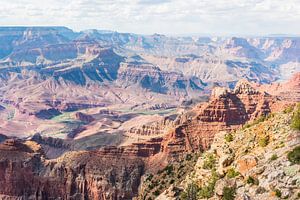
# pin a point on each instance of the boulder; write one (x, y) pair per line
(245, 164)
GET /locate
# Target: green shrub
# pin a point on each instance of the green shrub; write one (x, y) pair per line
(228, 193)
(260, 119)
(274, 157)
(151, 186)
(252, 181)
(156, 192)
(229, 137)
(263, 141)
(188, 157)
(209, 162)
(169, 169)
(190, 193)
(296, 118)
(294, 155)
(231, 173)
(149, 177)
(277, 193)
(257, 121)
(247, 126)
(287, 110)
(207, 191)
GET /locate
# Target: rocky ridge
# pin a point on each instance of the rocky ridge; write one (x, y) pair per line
(226, 110)
(249, 163)
(119, 169)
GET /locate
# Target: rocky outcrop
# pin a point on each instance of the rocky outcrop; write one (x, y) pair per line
(52, 147)
(257, 170)
(152, 78)
(154, 128)
(47, 113)
(226, 110)
(75, 175)
(142, 149)
(289, 90)
(14, 145)
(83, 117)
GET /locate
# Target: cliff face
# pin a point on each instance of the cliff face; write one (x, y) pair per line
(226, 110)
(289, 90)
(24, 173)
(115, 172)
(253, 163)
(153, 128)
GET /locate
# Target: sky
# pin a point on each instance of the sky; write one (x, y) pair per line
(173, 17)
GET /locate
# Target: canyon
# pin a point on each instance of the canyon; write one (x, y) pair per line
(116, 172)
(92, 114)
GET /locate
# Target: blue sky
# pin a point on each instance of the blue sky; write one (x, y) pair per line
(221, 17)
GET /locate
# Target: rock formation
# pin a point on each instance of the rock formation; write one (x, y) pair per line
(248, 167)
(83, 117)
(75, 175)
(54, 81)
(226, 110)
(288, 90)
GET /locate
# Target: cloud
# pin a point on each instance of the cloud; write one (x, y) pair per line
(161, 16)
(153, 1)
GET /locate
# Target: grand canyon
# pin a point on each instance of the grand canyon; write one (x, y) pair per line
(106, 115)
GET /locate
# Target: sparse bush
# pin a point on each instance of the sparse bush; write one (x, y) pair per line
(277, 193)
(270, 115)
(188, 157)
(247, 126)
(274, 157)
(260, 119)
(208, 190)
(149, 177)
(263, 141)
(156, 192)
(190, 193)
(231, 173)
(252, 181)
(229, 137)
(151, 186)
(294, 155)
(228, 193)
(169, 169)
(296, 118)
(209, 162)
(288, 109)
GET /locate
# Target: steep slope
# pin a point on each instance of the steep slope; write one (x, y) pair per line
(288, 90)
(116, 172)
(24, 173)
(226, 110)
(249, 163)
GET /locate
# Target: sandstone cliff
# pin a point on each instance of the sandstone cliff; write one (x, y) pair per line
(26, 174)
(226, 110)
(259, 161)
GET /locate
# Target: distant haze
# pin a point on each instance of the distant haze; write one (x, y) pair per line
(217, 17)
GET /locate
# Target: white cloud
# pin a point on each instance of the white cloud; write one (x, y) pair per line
(161, 16)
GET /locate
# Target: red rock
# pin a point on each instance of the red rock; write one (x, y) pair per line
(289, 90)
(226, 110)
(245, 164)
(83, 117)
(76, 175)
